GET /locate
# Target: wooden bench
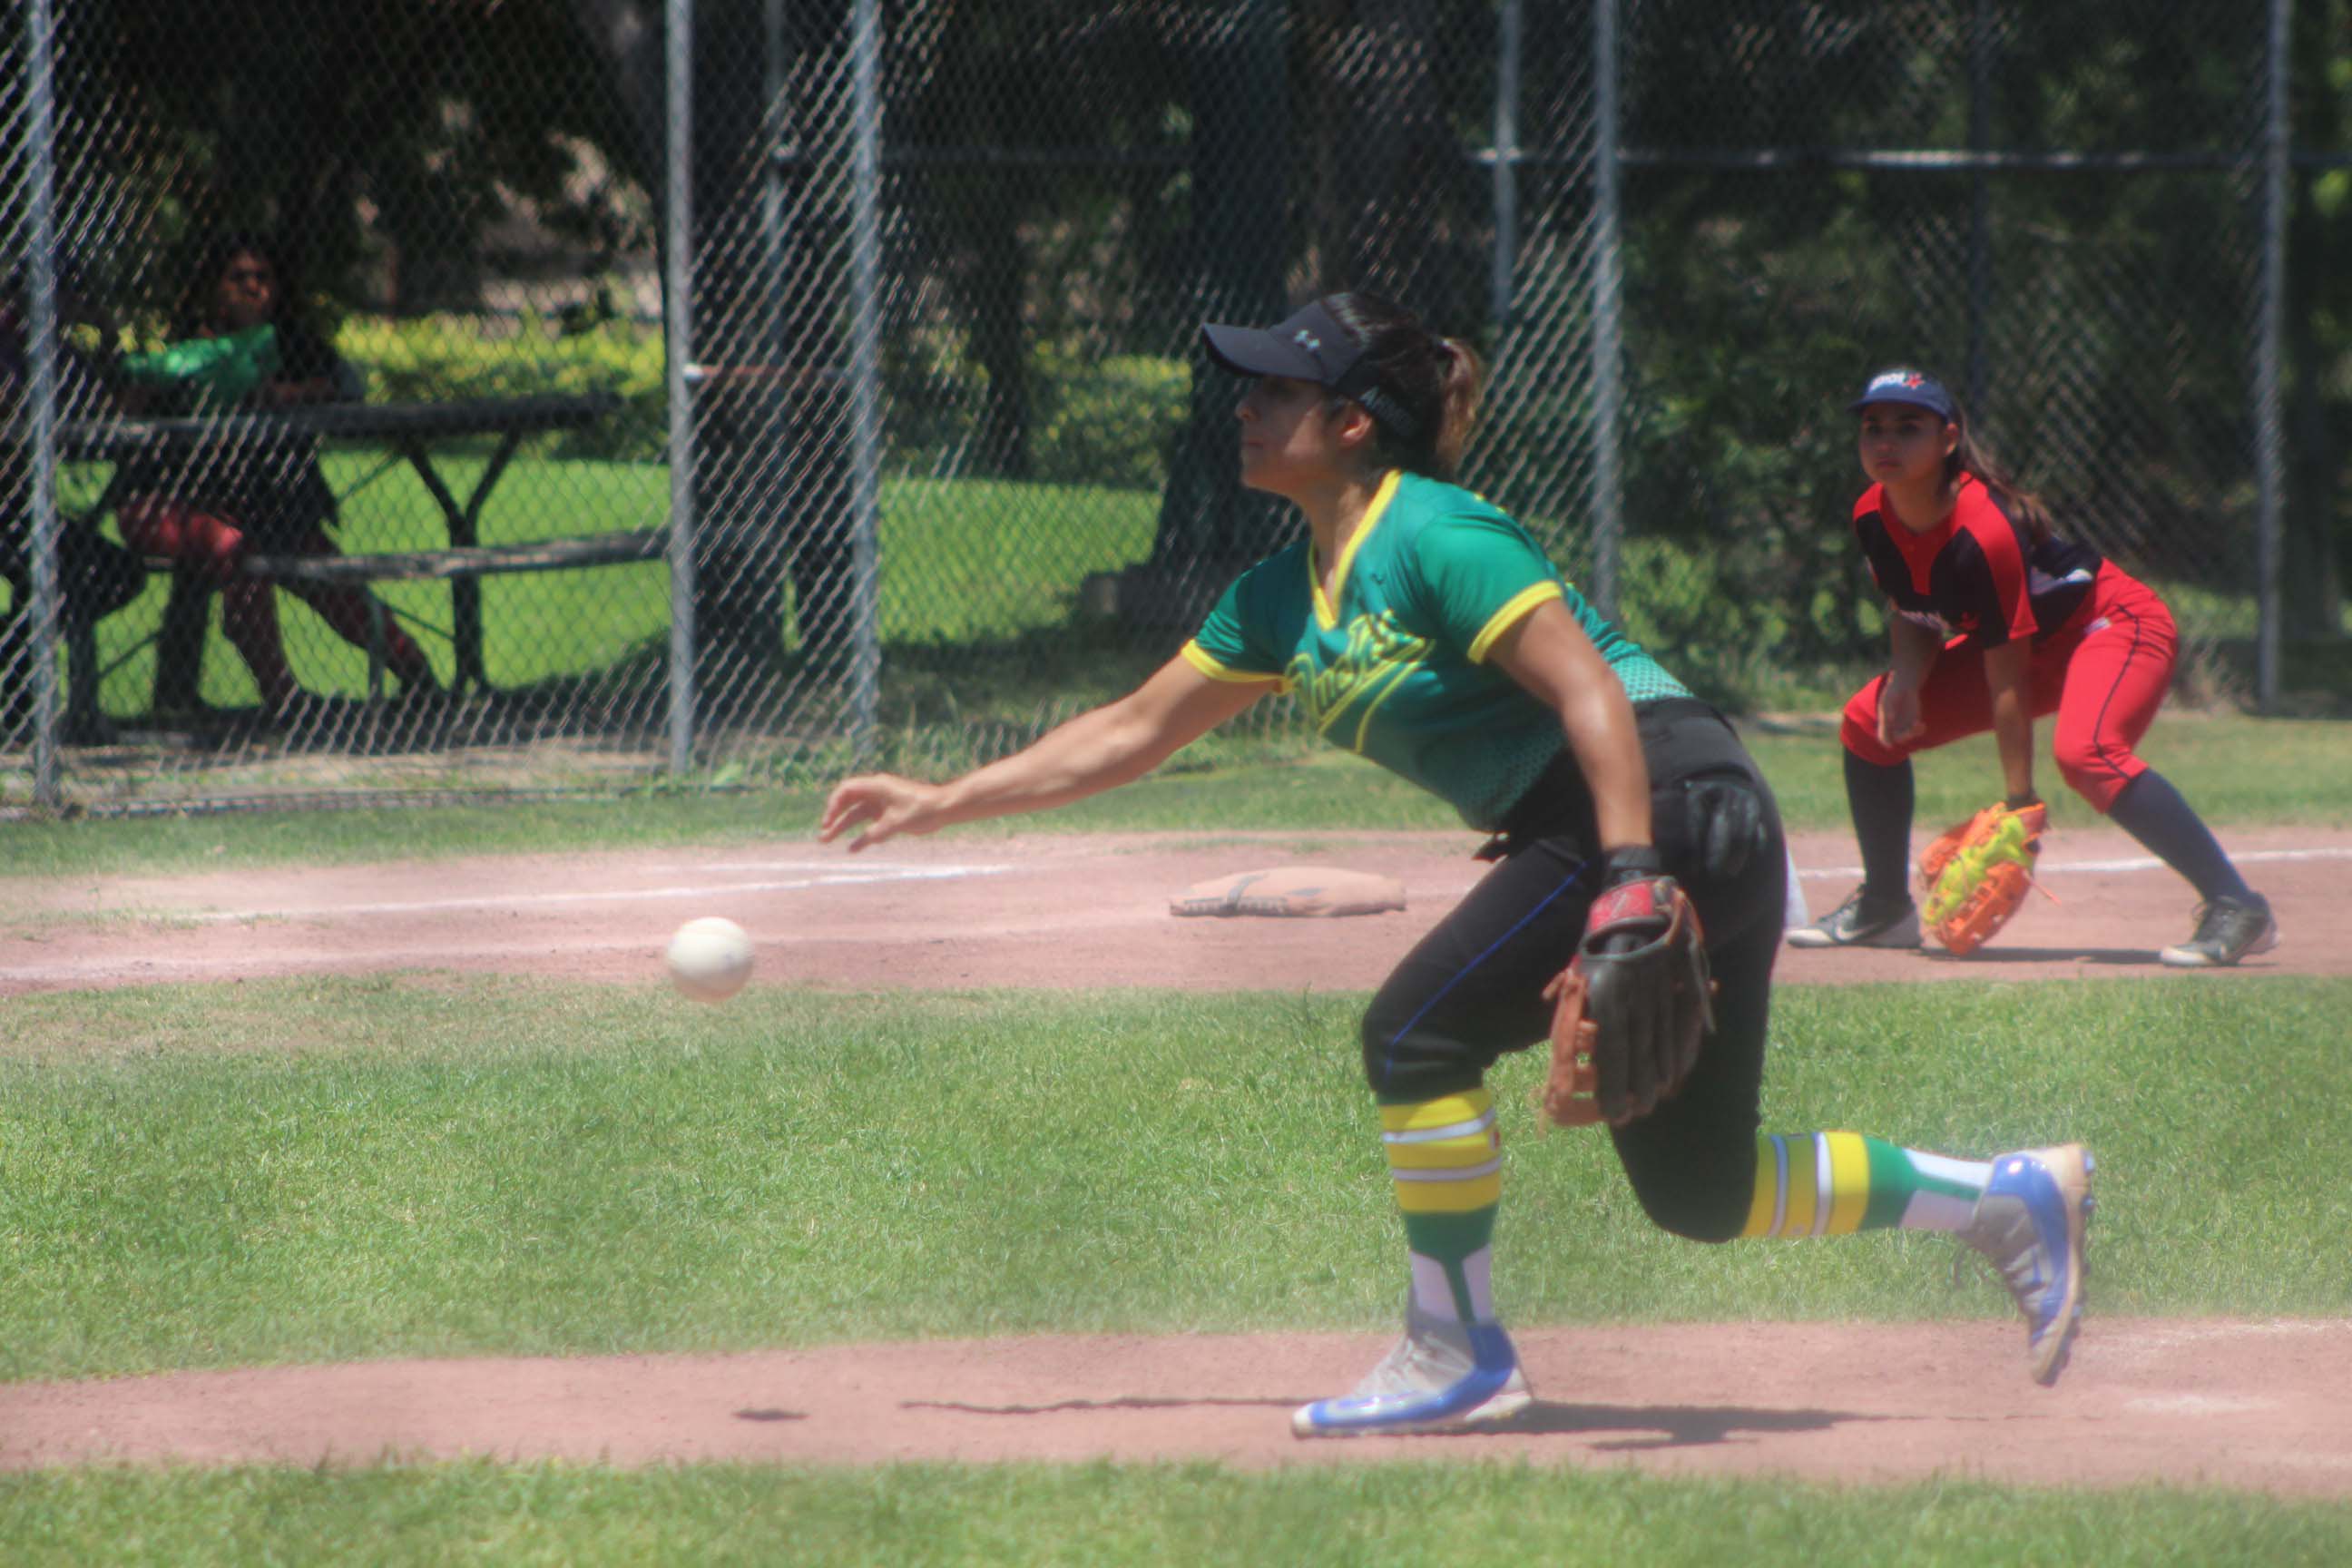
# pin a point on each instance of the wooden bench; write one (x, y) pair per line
(462, 563)
(458, 563)
(411, 430)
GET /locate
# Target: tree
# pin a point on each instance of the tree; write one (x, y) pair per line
(374, 143)
(1237, 95)
(2319, 331)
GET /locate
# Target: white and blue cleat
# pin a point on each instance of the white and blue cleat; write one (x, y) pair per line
(1443, 1376)
(2029, 1224)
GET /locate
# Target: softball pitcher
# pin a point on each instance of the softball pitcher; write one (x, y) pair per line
(1422, 628)
(1998, 622)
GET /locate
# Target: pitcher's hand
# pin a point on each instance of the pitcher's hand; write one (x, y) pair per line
(1898, 714)
(883, 805)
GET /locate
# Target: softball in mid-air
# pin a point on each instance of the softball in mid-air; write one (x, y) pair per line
(710, 958)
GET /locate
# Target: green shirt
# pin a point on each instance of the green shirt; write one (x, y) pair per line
(219, 370)
(1394, 666)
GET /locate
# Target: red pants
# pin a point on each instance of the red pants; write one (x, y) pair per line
(214, 545)
(2104, 674)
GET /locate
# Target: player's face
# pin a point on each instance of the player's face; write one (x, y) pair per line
(247, 291)
(1903, 443)
(1287, 440)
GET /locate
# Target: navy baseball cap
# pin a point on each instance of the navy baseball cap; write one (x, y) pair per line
(1914, 388)
(1311, 345)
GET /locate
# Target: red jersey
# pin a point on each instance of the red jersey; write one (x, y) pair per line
(1978, 575)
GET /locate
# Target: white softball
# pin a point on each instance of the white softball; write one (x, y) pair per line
(710, 958)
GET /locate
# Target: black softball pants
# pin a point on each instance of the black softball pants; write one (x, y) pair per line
(1473, 988)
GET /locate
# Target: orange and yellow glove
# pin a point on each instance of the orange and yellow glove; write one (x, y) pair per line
(1976, 873)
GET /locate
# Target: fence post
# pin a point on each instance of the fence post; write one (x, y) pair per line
(2270, 339)
(678, 284)
(1608, 328)
(866, 368)
(40, 131)
(1507, 163)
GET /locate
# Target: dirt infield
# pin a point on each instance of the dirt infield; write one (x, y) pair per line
(2255, 1405)
(1050, 911)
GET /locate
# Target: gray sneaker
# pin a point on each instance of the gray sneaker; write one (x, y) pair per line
(1443, 1376)
(1857, 923)
(2029, 1224)
(2227, 930)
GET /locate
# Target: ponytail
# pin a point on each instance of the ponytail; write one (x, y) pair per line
(1422, 390)
(1460, 387)
(2024, 507)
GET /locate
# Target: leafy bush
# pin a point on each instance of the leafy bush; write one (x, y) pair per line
(439, 357)
(1100, 422)
(1109, 421)
(1092, 421)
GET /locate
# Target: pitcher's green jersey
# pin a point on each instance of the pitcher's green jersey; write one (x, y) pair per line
(1393, 664)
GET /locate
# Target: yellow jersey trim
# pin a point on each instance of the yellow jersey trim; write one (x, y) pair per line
(1327, 613)
(1200, 659)
(1520, 606)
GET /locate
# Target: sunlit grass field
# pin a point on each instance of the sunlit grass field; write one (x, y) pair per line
(1399, 1514)
(298, 1170)
(306, 1170)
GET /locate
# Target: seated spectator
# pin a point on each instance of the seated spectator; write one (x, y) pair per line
(243, 347)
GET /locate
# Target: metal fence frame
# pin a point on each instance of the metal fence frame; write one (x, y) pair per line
(2265, 164)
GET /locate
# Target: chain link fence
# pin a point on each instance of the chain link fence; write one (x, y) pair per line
(742, 389)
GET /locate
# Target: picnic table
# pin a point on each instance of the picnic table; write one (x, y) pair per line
(414, 430)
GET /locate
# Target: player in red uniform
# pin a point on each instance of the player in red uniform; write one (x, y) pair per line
(1998, 622)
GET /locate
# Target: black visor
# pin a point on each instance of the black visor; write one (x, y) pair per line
(1310, 345)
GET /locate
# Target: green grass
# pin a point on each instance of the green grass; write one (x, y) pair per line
(964, 561)
(1404, 1514)
(297, 1171)
(2236, 770)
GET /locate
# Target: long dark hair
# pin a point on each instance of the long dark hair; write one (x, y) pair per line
(1423, 388)
(1969, 456)
(195, 314)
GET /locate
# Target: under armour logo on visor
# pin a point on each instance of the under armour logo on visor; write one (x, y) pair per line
(1314, 344)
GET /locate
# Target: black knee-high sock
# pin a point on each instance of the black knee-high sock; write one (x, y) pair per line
(2152, 811)
(1881, 800)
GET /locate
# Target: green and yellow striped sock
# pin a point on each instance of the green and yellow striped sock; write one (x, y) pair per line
(1446, 1159)
(1833, 1183)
